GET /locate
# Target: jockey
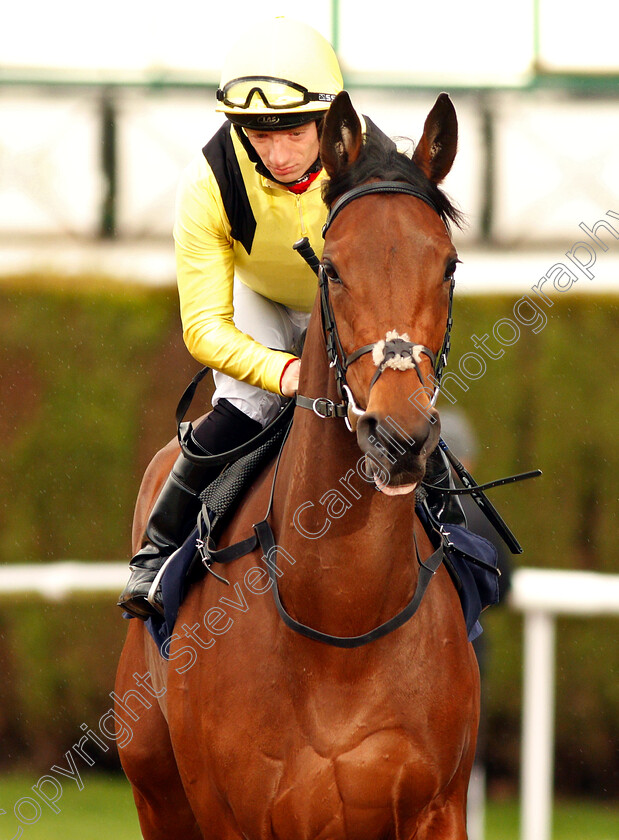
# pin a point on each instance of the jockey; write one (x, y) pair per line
(245, 294)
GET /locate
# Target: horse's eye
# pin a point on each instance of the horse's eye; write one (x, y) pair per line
(450, 271)
(331, 272)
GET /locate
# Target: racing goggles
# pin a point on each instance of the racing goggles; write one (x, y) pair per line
(275, 93)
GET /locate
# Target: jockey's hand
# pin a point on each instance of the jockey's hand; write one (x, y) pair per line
(290, 379)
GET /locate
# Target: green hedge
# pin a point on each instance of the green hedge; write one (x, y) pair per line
(90, 374)
(551, 402)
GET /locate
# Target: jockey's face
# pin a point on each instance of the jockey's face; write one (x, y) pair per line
(286, 154)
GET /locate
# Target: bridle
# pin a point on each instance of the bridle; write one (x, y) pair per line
(395, 348)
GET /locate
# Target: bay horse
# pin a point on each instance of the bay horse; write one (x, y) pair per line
(251, 729)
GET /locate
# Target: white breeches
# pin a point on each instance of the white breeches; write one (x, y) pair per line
(271, 324)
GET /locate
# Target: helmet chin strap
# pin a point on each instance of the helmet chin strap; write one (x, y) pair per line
(266, 173)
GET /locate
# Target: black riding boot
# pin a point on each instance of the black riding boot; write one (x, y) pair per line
(443, 506)
(177, 506)
(168, 525)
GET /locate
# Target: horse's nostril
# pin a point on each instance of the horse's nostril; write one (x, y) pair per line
(366, 430)
(380, 437)
(392, 444)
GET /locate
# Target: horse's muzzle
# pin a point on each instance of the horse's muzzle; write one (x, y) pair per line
(396, 456)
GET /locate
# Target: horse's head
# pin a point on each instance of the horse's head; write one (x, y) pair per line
(387, 278)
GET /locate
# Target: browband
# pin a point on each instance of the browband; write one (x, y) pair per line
(376, 187)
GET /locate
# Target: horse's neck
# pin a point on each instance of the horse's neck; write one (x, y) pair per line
(341, 535)
(320, 451)
(326, 490)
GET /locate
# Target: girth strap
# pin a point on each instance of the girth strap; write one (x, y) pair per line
(426, 573)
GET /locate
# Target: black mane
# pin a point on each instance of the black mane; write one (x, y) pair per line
(380, 159)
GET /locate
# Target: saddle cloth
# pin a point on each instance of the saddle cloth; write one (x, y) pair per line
(472, 562)
(219, 501)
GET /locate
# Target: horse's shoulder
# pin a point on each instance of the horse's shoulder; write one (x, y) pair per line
(252, 507)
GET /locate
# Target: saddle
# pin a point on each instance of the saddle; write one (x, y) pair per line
(220, 499)
(472, 563)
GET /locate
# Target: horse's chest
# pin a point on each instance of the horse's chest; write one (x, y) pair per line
(356, 793)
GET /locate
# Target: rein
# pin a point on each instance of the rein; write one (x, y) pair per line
(263, 536)
(395, 351)
(426, 572)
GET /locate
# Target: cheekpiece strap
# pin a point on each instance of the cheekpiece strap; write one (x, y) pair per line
(322, 406)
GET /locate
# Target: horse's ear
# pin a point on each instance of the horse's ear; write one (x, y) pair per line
(342, 137)
(436, 150)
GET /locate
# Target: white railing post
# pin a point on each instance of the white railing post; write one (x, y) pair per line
(541, 595)
(537, 765)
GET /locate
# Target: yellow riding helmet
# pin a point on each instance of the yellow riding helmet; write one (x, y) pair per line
(280, 74)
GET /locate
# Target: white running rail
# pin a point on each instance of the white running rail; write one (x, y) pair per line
(55, 581)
